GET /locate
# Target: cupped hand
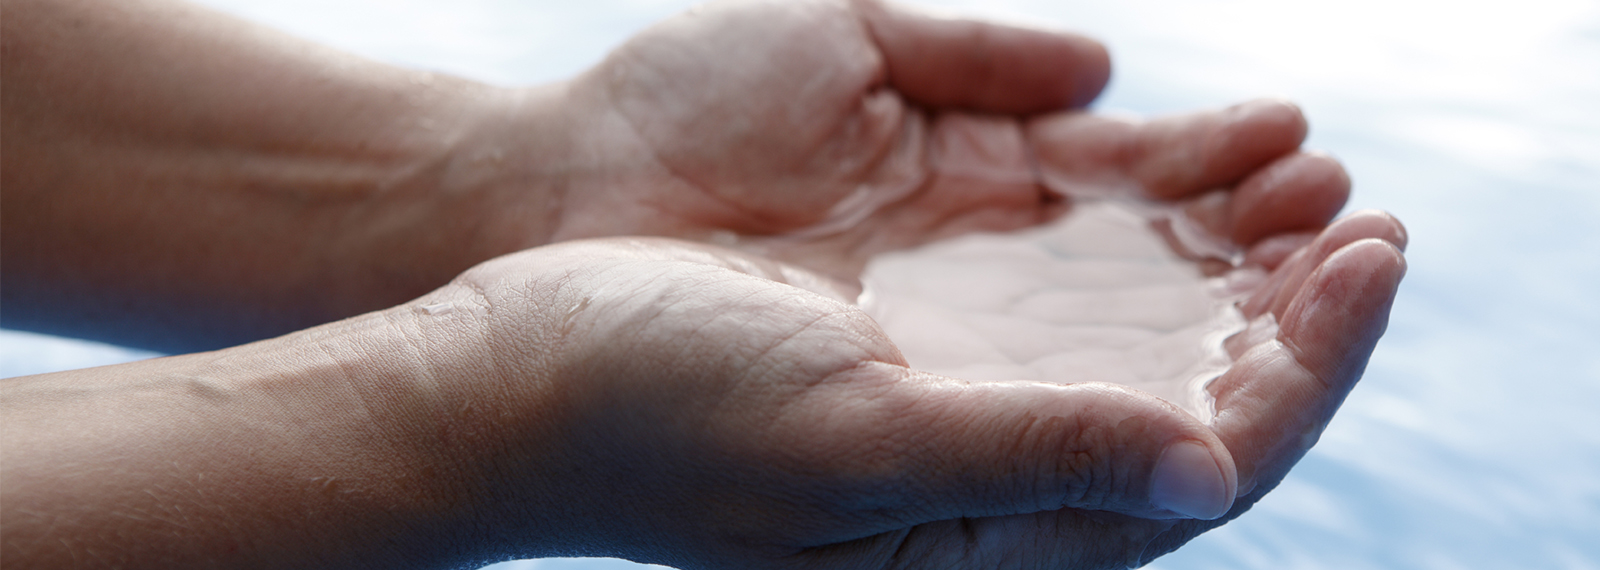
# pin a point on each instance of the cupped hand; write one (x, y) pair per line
(819, 131)
(705, 408)
(722, 409)
(822, 132)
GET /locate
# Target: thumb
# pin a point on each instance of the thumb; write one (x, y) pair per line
(943, 62)
(963, 450)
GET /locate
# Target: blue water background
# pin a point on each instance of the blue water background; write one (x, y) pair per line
(1474, 440)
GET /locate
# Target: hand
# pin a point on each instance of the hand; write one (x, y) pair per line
(822, 132)
(714, 409)
(935, 169)
(751, 122)
(816, 132)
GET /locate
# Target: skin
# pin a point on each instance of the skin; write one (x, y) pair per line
(664, 399)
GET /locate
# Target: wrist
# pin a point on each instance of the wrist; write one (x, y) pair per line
(319, 449)
(377, 421)
(485, 176)
(399, 419)
(469, 388)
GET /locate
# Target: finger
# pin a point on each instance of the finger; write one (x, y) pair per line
(924, 449)
(1271, 252)
(966, 64)
(1298, 192)
(1172, 157)
(1295, 193)
(1274, 402)
(1285, 282)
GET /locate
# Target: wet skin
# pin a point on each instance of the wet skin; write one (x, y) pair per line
(879, 465)
(665, 398)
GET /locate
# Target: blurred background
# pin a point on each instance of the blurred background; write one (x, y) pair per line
(1474, 439)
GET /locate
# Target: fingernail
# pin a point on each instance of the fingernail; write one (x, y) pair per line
(1187, 481)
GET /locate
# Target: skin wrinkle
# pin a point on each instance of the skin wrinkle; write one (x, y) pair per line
(793, 335)
(878, 486)
(710, 320)
(1073, 456)
(875, 397)
(448, 421)
(1056, 421)
(1253, 396)
(431, 416)
(756, 217)
(1084, 465)
(752, 218)
(908, 478)
(876, 98)
(1047, 482)
(759, 356)
(944, 217)
(886, 150)
(759, 370)
(501, 354)
(849, 117)
(1339, 285)
(879, 86)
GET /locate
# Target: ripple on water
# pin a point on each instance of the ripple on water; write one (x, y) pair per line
(1100, 295)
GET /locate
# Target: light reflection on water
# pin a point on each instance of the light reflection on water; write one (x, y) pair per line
(1473, 442)
(1098, 295)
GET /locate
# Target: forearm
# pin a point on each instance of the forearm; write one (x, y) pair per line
(334, 448)
(178, 179)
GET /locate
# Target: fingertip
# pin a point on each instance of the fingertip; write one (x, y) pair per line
(1333, 177)
(1359, 269)
(1264, 129)
(1275, 115)
(1268, 128)
(1338, 316)
(1182, 155)
(1387, 254)
(1363, 224)
(1391, 229)
(1093, 74)
(960, 63)
(1191, 481)
(1300, 191)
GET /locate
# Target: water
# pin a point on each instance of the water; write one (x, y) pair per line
(1096, 296)
(1473, 441)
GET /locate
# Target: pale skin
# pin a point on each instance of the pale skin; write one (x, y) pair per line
(181, 180)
